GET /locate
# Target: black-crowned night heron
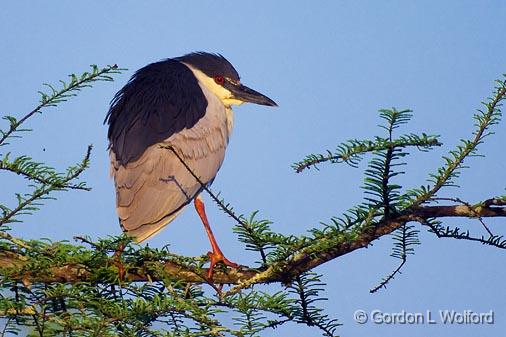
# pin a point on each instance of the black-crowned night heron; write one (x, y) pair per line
(183, 103)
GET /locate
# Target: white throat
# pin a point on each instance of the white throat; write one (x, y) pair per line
(224, 95)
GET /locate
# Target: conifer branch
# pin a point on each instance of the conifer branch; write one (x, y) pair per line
(454, 162)
(28, 204)
(37, 172)
(57, 96)
(389, 277)
(351, 152)
(278, 271)
(405, 238)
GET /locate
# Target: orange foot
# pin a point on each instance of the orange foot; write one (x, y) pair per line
(217, 257)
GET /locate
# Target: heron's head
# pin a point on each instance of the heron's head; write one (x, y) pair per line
(219, 76)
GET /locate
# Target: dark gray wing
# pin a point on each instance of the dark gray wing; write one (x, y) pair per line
(159, 100)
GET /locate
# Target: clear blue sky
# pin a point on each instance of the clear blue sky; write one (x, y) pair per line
(330, 65)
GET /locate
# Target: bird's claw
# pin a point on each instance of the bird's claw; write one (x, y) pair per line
(215, 258)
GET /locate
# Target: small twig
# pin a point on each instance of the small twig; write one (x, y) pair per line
(205, 188)
(471, 145)
(465, 203)
(16, 241)
(43, 181)
(494, 202)
(56, 97)
(455, 200)
(355, 148)
(460, 236)
(480, 219)
(222, 206)
(85, 240)
(385, 281)
(47, 189)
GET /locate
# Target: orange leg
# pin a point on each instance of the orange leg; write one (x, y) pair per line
(216, 255)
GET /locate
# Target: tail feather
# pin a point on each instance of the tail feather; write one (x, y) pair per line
(146, 231)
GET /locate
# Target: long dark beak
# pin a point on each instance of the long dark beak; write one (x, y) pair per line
(245, 94)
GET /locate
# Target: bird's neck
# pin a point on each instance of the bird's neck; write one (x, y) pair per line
(221, 93)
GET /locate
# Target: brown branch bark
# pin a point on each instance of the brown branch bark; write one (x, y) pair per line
(277, 272)
(460, 211)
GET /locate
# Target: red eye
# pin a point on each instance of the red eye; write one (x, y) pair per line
(219, 80)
